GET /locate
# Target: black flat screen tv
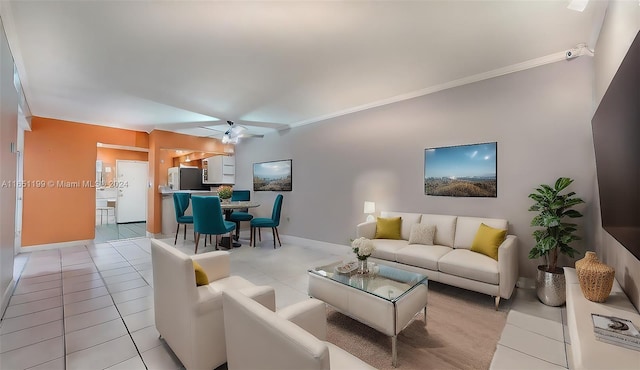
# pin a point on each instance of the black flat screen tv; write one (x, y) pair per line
(616, 139)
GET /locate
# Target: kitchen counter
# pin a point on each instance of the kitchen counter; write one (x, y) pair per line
(166, 191)
(169, 224)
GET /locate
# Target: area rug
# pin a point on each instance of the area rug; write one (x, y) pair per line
(462, 331)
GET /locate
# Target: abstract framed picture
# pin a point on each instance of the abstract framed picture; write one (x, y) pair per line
(462, 170)
(272, 176)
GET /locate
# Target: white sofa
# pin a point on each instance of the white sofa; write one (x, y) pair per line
(292, 338)
(450, 259)
(190, 317)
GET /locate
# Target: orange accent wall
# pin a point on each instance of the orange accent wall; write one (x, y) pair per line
(58, 157)
(108, 156)
(61, 155)
(160, 160)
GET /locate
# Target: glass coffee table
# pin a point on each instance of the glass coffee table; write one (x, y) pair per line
(386, 299)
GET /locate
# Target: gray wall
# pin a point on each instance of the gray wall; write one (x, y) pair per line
(539, 117)
(8, 135)
(620, 27)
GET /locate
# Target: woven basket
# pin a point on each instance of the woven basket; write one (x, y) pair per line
(596, 278)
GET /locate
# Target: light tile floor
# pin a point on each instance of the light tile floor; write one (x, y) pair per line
(114, 231)
(91, 307)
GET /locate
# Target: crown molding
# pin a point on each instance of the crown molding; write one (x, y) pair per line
(548, 59)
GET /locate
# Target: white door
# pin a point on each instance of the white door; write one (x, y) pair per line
(131, 183)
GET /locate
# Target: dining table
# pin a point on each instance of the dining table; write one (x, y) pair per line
(227, 208)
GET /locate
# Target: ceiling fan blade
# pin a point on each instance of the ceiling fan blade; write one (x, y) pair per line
(251, 135)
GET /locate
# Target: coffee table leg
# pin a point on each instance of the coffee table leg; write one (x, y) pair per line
(394, 351)
(425, 316)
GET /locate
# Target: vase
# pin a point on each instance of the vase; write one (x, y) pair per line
(596, 278)
(363, 267)
(551, 286)
(225, 200)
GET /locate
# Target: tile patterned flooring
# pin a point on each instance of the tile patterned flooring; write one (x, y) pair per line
(91, 307)
(113, 231)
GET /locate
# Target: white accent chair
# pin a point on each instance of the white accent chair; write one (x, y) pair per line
(190, 317)
(292, 338)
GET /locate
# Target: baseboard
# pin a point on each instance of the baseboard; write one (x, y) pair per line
(6, 296)
(526, 283)
(336, 248)
(154, 235)
(45, 247)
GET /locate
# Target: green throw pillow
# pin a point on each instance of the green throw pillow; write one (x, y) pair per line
(487, 241)
(201, 276)
(388, 228)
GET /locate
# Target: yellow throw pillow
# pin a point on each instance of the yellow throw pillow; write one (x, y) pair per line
(201, 276)
(487, 241)
(388, 228)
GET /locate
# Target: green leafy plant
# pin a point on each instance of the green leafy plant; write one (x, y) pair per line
(555, 234)
(225, 192)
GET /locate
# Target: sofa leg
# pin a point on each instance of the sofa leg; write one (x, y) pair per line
(497, 302)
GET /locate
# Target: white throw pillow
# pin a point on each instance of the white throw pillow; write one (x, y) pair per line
(422, 234)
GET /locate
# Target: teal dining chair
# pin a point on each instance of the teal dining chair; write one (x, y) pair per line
(273, 223)
(242, 214)
(181, 203)
(208, 219)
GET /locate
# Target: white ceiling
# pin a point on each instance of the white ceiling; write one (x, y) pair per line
(179, 65)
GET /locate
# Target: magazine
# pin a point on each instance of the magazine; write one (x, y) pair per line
(618, 342)
(611, 327)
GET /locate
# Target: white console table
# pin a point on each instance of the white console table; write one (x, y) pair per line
(586, 351)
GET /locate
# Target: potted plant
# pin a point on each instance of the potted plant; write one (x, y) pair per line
(554, 237)
(225, 192)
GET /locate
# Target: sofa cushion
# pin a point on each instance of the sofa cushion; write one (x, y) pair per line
(422, 255)
(388, 228)
(386, 248)
(470, 265)
(408, 219)
(488, 240)
(231, 282)
(445, 228)
(467, 227)
(422, 234)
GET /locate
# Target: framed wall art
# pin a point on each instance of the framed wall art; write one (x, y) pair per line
(462, 170)
(272, 176)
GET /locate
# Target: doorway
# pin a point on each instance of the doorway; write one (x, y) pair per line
(122, 175)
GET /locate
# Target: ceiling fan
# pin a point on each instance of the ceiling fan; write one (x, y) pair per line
(234, 133)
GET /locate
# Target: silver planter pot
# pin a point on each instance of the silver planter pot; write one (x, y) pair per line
(550, 286)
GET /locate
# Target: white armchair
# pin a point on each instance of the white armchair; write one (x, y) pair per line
(292, 338)
(190, 317)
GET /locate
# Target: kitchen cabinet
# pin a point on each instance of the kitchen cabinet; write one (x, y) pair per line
(219, 169)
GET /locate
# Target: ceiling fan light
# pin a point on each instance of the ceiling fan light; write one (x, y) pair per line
(237, 130)
(226, 139)
(578, 5)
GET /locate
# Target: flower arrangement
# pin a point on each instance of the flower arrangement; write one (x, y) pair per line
(363, 248)
(225, 192)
